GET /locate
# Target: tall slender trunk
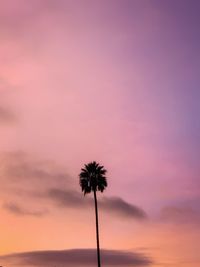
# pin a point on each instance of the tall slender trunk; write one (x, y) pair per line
(97, 229)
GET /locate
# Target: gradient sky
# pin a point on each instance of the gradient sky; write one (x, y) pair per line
(116, 81)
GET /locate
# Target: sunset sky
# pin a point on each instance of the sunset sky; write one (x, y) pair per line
(116, 81)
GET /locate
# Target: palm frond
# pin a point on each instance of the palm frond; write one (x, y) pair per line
(92, 178)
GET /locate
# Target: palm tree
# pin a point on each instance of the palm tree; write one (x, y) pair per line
(92, 178)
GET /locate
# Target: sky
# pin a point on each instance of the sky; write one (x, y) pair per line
(116, 81)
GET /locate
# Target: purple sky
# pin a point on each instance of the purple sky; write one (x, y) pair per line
(112, 81)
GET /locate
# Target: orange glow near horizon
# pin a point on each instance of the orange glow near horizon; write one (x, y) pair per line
(111, 81)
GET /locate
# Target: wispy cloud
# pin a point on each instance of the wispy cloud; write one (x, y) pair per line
(180, 215)
(115, 205)
(121, 207)
(44, 181)
(17, 166)
(6, 116)
(24, 179)
(67, 198)
(20, 211)
(77, 257)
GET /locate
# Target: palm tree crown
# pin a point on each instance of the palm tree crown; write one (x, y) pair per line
(92, 178)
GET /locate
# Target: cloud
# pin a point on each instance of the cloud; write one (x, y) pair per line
(69, 198)
(76, 257)
(121, 207)
(66, 198)
(24, 179)
(18, 210)
(180, 214)
(30, 172)
(44, 180)
(6, 116)
(20, 165)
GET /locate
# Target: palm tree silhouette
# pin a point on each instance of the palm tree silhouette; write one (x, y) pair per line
(92, 178)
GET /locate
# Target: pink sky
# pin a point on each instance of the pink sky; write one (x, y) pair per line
(111, 81)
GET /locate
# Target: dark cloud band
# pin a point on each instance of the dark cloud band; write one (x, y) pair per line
(44, 180)
(77, 257)
(69, 198)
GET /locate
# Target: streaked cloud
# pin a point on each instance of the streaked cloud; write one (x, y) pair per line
(114, 205)
(77, 257)
(21, 169)
(121, 207)
(43, 180)
(180, 215)
(20, 211)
